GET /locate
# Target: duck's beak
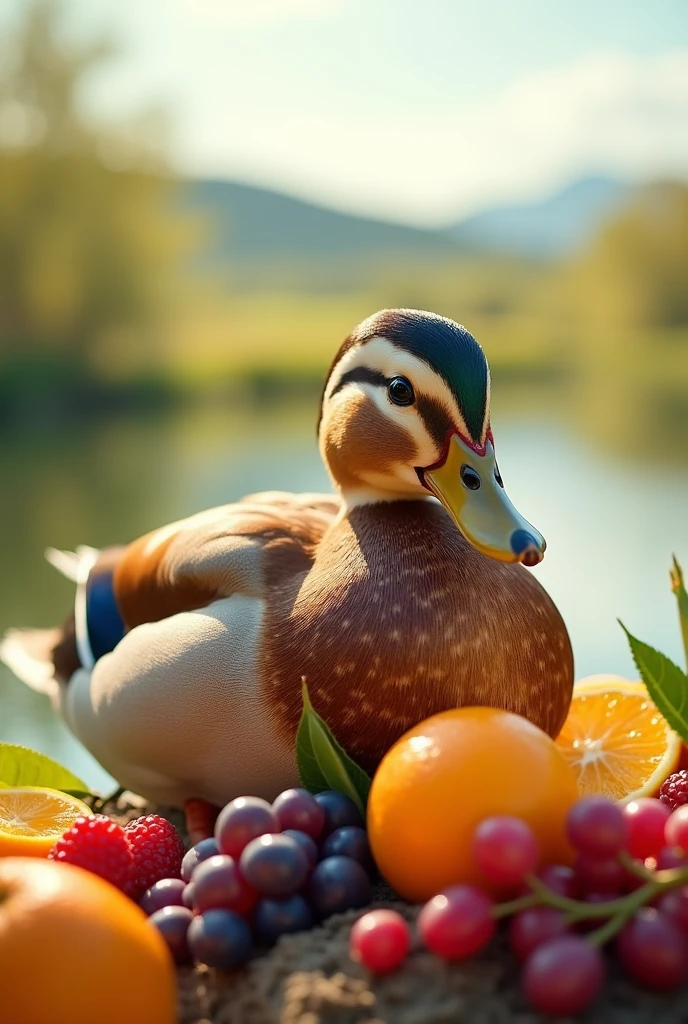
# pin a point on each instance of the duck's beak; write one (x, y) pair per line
(468, 484)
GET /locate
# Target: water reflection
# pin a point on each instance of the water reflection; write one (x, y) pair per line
(611, 522)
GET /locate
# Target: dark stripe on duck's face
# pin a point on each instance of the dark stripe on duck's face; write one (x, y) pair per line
(360, 375)
(436, 418)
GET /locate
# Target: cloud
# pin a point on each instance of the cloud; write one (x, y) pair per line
(253, 11)
(610, 113)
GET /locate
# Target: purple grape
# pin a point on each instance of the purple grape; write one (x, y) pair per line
(338, 884)
(653, 949)
(349, 841)
(339, 810)
(273, 918)
(242, 820)
(189, 895)
(167, 893)
(196, 855)
(597, 827)
(308, 845)
(173, 924)
(674, 904)
(560, 879)
(219, 885)
(274, 865)
(563, 976)
(220, 938)
(298, 809)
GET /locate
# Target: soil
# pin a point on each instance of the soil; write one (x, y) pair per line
(309, 978)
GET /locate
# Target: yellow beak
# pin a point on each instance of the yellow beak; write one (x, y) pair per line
(469, 487)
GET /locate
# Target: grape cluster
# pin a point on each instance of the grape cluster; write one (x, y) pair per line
(270, 869)
(628, 886)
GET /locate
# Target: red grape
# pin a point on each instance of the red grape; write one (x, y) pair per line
(505, 849)
(242, 820)
(457, 923)
(654, 950)
(593, 875)
(532, 927)
(671, 857)
(676, 829)
(597, 827)
(560, 879)
(674, 904)
(218, 884)
(646, 819)
(563, 976)
(298, 809)
(380, 940)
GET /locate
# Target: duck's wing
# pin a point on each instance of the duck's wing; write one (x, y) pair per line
(233, 549)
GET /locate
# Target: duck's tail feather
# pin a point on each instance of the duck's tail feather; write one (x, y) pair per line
(29, 654)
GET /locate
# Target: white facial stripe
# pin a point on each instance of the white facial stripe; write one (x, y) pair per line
(381, 355)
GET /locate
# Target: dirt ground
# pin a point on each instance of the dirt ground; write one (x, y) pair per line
(309, 978)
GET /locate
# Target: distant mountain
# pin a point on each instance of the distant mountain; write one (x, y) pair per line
(255, 224)
(552, 227)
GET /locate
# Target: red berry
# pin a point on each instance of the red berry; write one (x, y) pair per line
(674, 792)
(532, 927)
(505, 849)
(676, 829)
(646, 820)
(98, 845)
(380, 940)
(157, 849)
(564, 976)
(653, 950)
(457, 923)
(597, 827)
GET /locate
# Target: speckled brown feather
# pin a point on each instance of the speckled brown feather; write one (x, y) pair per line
(400, 618)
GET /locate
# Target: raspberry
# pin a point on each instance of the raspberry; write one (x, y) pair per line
(674, 792)
(158, 852)
(98, 845)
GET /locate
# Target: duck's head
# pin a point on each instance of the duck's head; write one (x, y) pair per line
(406, 413)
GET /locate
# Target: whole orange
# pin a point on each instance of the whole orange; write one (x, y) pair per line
(443, 777)
(75, 950)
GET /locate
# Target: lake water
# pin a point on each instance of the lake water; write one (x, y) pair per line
(611, 521)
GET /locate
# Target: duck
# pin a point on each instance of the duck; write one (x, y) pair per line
(405, 592)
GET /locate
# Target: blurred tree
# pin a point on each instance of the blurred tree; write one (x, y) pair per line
(89, 239)
(635, 276)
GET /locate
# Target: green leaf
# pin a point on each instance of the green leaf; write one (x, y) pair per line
(323, 763)
(665, 682)
(21, 766)
(678, 587)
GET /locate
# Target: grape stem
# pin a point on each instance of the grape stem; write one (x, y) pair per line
(617, 911)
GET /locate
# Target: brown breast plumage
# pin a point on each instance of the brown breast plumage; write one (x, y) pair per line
(399, 618)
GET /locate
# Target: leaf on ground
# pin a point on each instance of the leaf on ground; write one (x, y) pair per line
(666, 684)
(21, 766)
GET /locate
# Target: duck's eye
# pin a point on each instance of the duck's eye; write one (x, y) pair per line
(469, 478)
(498, 477)
(400, 391)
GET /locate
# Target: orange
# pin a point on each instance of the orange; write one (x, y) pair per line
(442, 778)
(32, 819)
(616, 740)
(75, 950)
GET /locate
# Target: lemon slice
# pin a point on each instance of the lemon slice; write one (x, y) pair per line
(616, 740)
(32, 819)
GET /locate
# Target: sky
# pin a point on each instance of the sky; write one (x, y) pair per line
(414, 110)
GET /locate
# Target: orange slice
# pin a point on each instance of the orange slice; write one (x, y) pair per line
(33, 819)
(616, 740)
